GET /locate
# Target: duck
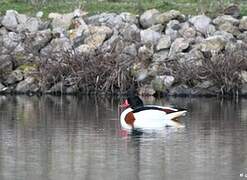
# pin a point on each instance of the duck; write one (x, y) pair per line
(136, 115)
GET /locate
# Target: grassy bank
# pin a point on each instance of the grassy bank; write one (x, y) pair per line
(135, 6)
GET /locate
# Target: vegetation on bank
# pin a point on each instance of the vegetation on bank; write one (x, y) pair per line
(210, 7)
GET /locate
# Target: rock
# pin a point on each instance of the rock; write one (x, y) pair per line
(83, 50)
(243, 23)
(244, 76)
(12, 40)
(230, 28)
(232, 10)
(6, 64)
(213, 44)
(146, 90)
(130, 50)
(2, 88)
(179, 90)
(164, 18)
(179, 45)
(31, 24)
(226, 18)
(148, 18)
(9, 20)
(98, 34)
(201, 23)
(38, 40)
(57, 88)
(28, 85)
(172, 29)
(129, 18)
(101, 19)
(164, 42)
(211, 30)
(56, 48)
(161, 56)
(188, 33)
(130, 32)
(227, 36)
(149, 36)
(158, 28)
(61, 20)
(243, 36)
(14, 77)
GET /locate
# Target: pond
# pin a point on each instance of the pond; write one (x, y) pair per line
(68, 137)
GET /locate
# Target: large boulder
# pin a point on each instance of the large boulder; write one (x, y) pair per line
(9, 20)
(201, 23)
(149, 18)
(15, 76)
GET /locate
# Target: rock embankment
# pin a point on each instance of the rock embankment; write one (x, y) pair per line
(163, 52)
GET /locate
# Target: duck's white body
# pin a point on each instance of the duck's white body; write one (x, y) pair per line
(151, 117)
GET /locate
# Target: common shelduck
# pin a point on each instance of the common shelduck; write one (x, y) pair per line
(140, 116)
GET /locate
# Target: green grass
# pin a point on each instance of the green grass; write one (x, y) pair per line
(95, 6)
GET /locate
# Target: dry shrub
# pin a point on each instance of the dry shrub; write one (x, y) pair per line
(99, 73)
(223, 69)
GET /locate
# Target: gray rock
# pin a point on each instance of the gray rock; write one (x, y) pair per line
(180, 90)
(14, 77)
(130, 32)
(57, 88)
(149, 36)
(211, 30)
(164, 42)
(201, 23)
(149, 18)
(38, 40)
(213, 44)
(172, 29)
(161, 56)
(227, 36)
(244, 76)
(165, 17)
(130, 50)
(129, 18)
(230, 28)
(226, 18)
(243, 23)
(56, 48)
(28, 85)
(187, 33)
(31, 24)
(2, 88)
(84, 50)
(179, 45)
(61, 20)
(167, 81)
(158, 28)
(9, 20)
(11, 40)
(6, 64)
(98, 34)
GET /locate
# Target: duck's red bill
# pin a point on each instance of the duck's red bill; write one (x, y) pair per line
(125, 104)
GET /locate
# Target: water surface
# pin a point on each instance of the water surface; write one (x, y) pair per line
(80, 138)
